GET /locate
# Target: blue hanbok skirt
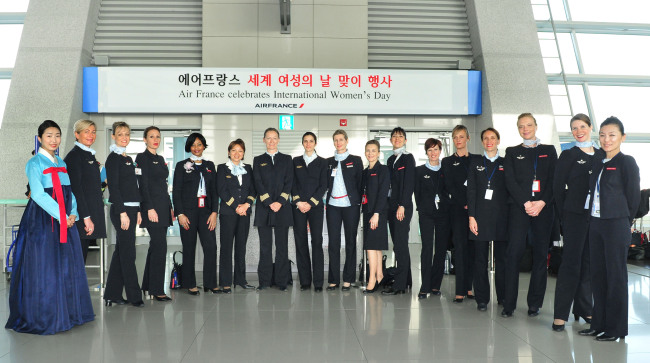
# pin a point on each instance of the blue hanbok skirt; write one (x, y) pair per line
(49, 290)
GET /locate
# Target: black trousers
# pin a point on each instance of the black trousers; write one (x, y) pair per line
(399, 233)
(199, 224)
(153, 279)
(464, 263)
(317, 263)
(481, 279)
(540, 227)
(233, 227)
(122, 274)
(265, 269)
(349, 216)
(608, 247)
(573, 280)
(438, 224)
(84, 243)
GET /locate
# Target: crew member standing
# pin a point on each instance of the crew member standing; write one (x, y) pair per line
(455, 168)
(400, 207)
(529, 171)
(614, 191)
(273, 175)
(570, 188)
(487, 206)
(343, 201)
(309, 187)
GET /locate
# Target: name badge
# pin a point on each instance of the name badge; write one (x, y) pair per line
(138, 171)
(364, 199)
(536, 186)
(334, 172)
(201, 202)
(488, 194)
(587, 201)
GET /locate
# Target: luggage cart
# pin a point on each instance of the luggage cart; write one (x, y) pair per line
(9, 259)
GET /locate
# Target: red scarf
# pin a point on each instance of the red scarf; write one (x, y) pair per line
(58, 197)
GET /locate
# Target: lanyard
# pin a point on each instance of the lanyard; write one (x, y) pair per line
(493, 170)
(535, 166)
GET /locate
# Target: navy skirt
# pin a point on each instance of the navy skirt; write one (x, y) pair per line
(49, 290)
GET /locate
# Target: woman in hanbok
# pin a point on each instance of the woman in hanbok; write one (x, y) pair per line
(49, 290)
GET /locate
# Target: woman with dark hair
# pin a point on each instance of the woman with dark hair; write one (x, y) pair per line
(309, 187)
(614, 196)
(343, 201)
(124, 196)
(432, 201)
(487, 206)
(529, 169)
(86, 184)
(273, 176)
(570, 189)
(236, 190)
(49, 290)
(400, 207)
(196, 204)
(455, 168)
(159, 214)
(374, 203)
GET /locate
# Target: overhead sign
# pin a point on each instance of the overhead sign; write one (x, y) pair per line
(285, 122)
(281, 90)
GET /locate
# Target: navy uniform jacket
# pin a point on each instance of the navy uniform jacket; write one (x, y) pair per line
(455, 170)
(153, 189)
(571, 180)
(491, 214)
(402, 181)
(273, 181)
(375, 186)
(620, 190)
(86, 185)
(122, 181)
(231, 192)
(352, 169)
(520, 173)
(186, 185)
(428, 184)
(309, 181)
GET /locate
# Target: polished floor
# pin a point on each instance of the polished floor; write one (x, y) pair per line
(295, 326)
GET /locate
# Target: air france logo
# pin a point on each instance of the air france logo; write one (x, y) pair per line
(279, 105)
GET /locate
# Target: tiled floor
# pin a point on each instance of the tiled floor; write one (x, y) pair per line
(294, 326)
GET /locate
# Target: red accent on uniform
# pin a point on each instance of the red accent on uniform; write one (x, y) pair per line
(58, 197)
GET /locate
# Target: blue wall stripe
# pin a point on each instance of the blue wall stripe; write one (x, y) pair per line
(474, 90)
(90, 90)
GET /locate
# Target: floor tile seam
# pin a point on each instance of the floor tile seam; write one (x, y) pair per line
(195, 337)
(522, 339)
(356, 335)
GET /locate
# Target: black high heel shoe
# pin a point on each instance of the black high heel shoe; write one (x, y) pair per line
(333, 287)
(557, 327)
(138, 304)
(578, 316)
(422, 295)
(226, 290)
(161, 298)
(607, 338)
(214, 291)
(108, 302)
(195, 292)
(370, 291)
(245, 286)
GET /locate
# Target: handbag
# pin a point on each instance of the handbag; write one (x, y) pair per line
(177, 273)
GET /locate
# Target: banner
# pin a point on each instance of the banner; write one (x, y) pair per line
(281, 90)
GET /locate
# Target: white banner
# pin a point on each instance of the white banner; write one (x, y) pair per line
(294, 91)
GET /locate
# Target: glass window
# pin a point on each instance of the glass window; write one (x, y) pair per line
(628, 11)
(14, 6)
(9, 41)
(627, 103)
(615, 54)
